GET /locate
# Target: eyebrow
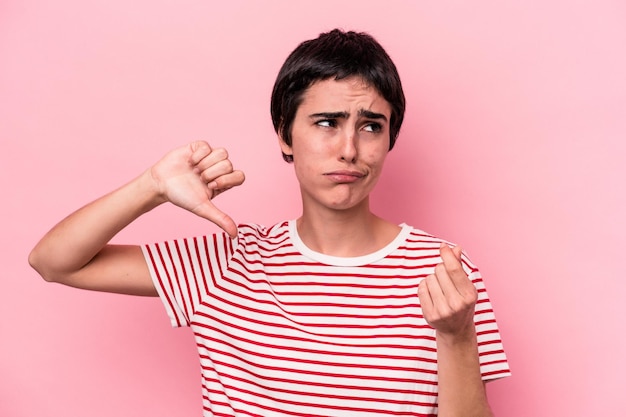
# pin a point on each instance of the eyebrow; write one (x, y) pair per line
(372, 115)
(344, 115)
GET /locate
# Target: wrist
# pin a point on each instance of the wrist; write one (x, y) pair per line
(465, 336)
(147, 191)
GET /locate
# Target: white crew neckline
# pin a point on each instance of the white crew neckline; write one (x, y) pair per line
(348, 260)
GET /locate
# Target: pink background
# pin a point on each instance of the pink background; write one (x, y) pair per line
(513, 146)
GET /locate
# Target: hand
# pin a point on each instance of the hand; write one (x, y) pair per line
(192, 175)
(448, 297)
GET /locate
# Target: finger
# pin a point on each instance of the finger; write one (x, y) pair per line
(206, 160)
(452, 262)
(215, 215)
(227, 181)
(436, 293)
(198, 150)
(435, 306)
(426, 301)
(457, 252)
(444, 281)
(221, 168)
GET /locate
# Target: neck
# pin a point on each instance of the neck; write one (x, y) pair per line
(353, 232)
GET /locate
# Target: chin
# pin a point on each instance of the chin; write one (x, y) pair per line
(337, 200)
(349, 204)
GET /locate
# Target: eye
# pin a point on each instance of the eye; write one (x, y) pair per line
(327, 123)
(373, 127)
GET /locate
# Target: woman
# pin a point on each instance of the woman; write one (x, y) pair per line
(339, 312)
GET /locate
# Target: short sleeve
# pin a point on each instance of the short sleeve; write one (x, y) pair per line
(184, 271)
(493, 360)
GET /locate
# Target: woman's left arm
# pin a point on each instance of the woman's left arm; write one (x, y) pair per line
(448, 299)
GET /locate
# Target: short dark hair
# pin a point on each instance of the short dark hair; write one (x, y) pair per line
(340, 55)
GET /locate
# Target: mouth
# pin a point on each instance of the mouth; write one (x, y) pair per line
(344, 176)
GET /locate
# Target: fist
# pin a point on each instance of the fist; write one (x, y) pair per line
(447, 296)
(192, 175)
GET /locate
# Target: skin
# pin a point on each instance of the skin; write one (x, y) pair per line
(448, 299)
(76, 251)
(340, 140)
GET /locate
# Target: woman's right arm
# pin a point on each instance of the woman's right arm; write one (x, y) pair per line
(76, 251)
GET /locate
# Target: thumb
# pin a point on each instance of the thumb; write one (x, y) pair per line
(218, 217)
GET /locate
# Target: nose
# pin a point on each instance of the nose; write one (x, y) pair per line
(348, 150)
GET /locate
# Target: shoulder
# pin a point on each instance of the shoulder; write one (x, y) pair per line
(420, 240)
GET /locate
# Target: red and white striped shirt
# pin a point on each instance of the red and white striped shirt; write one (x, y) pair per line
(285, 331)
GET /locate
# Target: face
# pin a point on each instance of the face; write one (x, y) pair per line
(340, 138)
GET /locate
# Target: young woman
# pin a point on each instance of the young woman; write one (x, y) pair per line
(338, 312)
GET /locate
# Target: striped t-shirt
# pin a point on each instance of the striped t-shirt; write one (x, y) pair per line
(285, 331)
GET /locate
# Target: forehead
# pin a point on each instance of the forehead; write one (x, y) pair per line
(344, 95)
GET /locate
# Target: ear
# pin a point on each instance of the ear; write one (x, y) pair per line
(286, 149)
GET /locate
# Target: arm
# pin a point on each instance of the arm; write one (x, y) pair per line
(76, 251)
(448, 300)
